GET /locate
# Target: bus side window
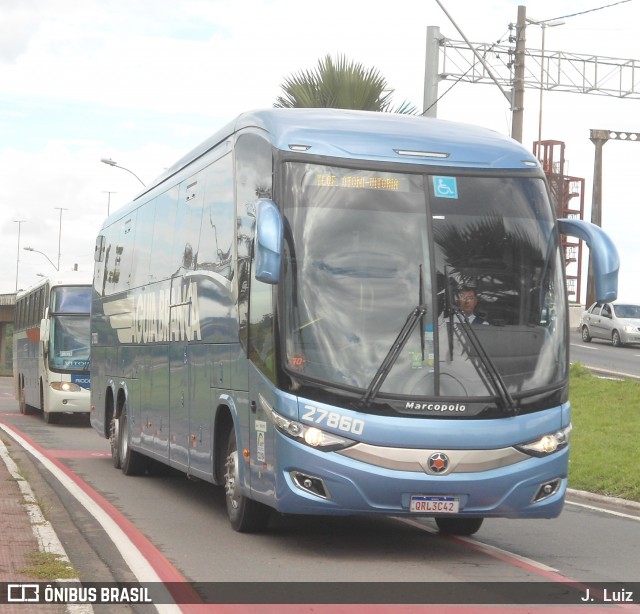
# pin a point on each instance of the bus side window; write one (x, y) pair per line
(218, 220)
(163, 231)
(98, 253)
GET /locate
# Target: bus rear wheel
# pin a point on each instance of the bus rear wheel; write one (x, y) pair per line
(131, 461)
(22, 403)
(245, 515)
(458, 526)
(114, 440)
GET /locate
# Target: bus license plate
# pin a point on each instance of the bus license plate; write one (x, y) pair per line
(435, 504)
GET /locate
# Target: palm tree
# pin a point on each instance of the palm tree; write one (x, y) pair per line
(340, 84)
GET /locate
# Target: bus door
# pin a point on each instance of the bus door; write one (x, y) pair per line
(261, 434)
(262, 377)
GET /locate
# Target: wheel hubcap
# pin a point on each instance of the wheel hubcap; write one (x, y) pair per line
(231, 478)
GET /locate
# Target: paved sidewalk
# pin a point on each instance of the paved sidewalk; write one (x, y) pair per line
(24, 532)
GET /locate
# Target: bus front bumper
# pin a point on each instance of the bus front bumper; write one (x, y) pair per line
(69, 402)
(312, 482)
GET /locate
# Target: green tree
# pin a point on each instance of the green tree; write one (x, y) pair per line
(340, 84)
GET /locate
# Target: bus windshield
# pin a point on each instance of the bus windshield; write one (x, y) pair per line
(70, 328)
(363, 248)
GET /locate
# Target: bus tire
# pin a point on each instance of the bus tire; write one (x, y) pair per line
(22, 403)
(49, 417)
(114, 440)
(245, 515)
(132, 462)
(458, 526)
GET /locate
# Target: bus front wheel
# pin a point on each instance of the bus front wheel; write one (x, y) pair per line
(245, 515)
(49, 417)
(458, 526)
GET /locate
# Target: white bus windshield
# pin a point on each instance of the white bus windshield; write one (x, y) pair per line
(363, 248)
(69, 332)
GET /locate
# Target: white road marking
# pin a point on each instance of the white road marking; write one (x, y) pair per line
(136, 561)
(604, 510)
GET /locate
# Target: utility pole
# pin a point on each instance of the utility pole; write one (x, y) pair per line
(60, 232)
(476, 53)
(430, 100)
(598, 138)
(108, 200)
(19, 222)
(517, 105)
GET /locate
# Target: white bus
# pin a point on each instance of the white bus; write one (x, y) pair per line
(51, 346)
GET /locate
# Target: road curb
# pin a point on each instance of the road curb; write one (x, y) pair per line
(617, 501)
(46, 536)
(43, 531)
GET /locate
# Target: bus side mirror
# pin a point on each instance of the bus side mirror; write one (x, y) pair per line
(268, 243)
(44, 332)
(604, 256)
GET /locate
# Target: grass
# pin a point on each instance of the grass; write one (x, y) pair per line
(605, 442)
(48, 566)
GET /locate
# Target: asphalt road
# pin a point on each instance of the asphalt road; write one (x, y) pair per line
(602, 356)
(121, 528)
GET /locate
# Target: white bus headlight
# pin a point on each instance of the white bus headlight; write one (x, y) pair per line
(65, 386)
(547, 444)
(309, 435)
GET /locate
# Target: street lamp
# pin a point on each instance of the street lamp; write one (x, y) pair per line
(549, 23)
(60, 234)
(19, 222)
(30, 249)
(110, 162)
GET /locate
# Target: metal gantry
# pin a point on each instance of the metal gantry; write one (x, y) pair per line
(550, 70)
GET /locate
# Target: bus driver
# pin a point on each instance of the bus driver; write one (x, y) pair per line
(467, 302)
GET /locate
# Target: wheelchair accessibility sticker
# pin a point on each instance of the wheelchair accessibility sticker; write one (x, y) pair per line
(445, 187)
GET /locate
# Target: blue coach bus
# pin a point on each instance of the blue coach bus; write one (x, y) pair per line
(279, 314)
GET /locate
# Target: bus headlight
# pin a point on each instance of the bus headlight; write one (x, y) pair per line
(65, 386)
(309, 435)
(547, 444)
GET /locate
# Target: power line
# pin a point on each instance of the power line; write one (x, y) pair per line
(606, 6)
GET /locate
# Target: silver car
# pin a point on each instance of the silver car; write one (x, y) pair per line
(619, 323)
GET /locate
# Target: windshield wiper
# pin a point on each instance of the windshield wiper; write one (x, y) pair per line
(413, 318)
(499, 386)
(421, 301)
(417, 315)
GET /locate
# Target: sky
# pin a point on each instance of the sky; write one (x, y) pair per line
(143, 82)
